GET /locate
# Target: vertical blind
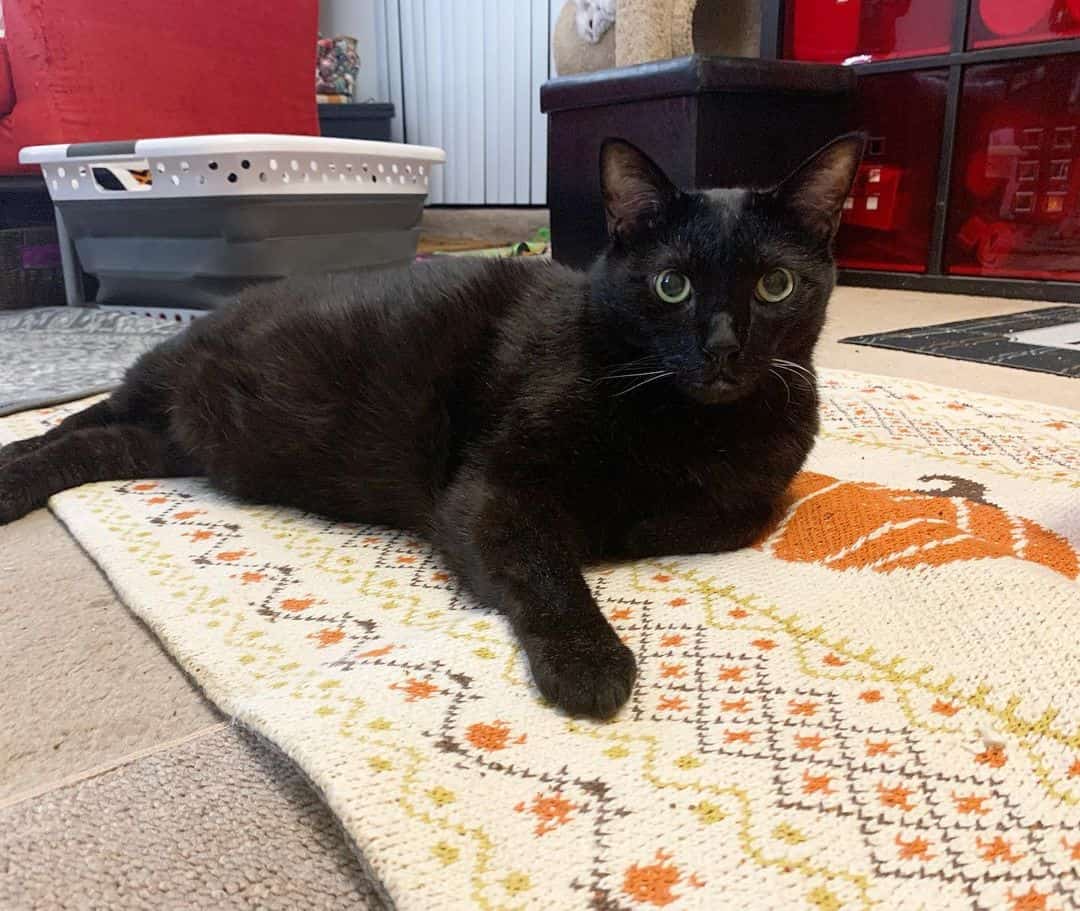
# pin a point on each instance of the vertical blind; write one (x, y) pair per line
(465, 75)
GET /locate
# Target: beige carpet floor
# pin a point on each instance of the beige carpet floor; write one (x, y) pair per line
(112, 766)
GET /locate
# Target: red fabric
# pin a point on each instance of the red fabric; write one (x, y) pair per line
(7, 87)
(90, 70)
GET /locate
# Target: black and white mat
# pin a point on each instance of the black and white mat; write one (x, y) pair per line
(56, 354)
(1044, 340)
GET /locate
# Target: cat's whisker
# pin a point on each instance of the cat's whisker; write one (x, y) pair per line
(805, 378)
(630, 376)
(796, 368)
(651, 379)
(787, 388)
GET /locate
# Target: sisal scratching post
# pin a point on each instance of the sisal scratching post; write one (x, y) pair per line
(642, 31)
(572, 54)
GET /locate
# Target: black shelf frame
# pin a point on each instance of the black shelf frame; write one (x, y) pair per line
(773, 21)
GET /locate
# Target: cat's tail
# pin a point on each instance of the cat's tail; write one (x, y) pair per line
(91, 445)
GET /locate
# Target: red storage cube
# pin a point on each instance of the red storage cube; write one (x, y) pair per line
(1013, 208)
(889, 216)
(999, 22)
(831, 31)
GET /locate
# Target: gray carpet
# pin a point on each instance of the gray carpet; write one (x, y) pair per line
(56, 354)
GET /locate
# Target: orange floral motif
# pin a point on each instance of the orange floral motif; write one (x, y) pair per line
(886, 529)
(672, 670)
(735, 705)
(677, 602)
(814, 783)
(252, 577)
(1029, 901)
(878, 747)
(377, 652)
(871, 696)
(670, 641)
(552, 811)
(766, 645)
(738, 737)
(806, 709)
(328, 637)
(944, 708)
(406, 559)
(895, 797)
(623, 613)
(809, 741)
(372, 540)
(440, 577)
(495, 736)
(652, 884)
(732, 673)
(915, 848)
(295, 605)
(970, 803)
(145, 485)
(1056, 425)
(834, 661)
(738, 613)
(997, 849)
(416, 689)
(155, 501)
(188, 514)
(672, 704)
(1074, 769)
(231, 556)
(661, 577)
(993, 756)
(201, 535)
(1074, 849)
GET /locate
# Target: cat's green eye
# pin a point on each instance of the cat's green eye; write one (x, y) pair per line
(774, 286)
(672, 287)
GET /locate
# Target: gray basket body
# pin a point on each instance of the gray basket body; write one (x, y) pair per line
(200, 251)
(189, 221)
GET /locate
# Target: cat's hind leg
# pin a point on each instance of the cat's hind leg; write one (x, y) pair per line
(100, 414)
(81, 456)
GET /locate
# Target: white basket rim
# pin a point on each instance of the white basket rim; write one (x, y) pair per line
(237, 143)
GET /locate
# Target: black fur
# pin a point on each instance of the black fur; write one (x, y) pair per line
(528, 418)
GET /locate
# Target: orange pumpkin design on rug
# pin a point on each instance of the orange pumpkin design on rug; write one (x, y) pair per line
(860, 525)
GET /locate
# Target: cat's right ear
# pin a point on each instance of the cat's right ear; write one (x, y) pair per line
(636, 192)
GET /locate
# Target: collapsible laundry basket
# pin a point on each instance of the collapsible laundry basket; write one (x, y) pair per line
(189, 221)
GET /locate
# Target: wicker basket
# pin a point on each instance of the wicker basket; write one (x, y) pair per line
(30, 274)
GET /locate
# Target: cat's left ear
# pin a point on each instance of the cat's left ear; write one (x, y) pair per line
(816, 190)
(636, 192)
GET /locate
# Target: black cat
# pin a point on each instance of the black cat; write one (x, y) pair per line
(526, 417)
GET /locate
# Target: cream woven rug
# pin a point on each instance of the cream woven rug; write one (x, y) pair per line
(878, 707)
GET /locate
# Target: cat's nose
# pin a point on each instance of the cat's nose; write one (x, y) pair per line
(722, 354)
(721, 343)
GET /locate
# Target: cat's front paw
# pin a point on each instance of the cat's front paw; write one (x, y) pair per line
(587, 673)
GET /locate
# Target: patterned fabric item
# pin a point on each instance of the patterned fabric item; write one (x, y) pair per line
(54, 354)
(874, 707)
(336, 66)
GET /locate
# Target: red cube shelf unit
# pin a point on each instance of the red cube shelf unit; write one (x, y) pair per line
(971, 181)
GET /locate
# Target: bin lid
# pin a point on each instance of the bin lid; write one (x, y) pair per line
(226, 143)
(696, 75)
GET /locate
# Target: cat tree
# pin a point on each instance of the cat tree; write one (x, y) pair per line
(647, 30)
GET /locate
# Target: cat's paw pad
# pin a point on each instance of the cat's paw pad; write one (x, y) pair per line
(585, 673)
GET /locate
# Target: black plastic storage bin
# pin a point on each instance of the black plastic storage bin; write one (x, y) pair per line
(368, 120)
(708, 121)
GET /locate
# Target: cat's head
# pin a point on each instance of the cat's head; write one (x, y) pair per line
(593, 18)
(714, 285)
